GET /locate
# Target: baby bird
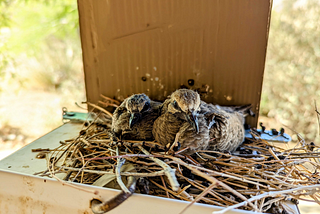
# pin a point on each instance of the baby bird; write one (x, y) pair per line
(180, 115)
(227, 126)
(134, 118)
(187, 137)
(199, 125)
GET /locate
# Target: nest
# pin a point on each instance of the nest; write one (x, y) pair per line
(258, 177)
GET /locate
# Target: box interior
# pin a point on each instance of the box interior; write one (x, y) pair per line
(155, 47)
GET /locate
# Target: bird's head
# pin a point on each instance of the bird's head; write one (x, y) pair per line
(187, 103)
(136, 105)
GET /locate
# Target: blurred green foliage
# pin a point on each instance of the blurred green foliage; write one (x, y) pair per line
(4, 14)
(4, 23)
(40, 45)
(35, 24)
(292, 74)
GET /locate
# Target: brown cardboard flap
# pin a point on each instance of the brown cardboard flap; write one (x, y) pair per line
(155, 47)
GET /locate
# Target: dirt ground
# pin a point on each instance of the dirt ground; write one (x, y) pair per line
(28, 115)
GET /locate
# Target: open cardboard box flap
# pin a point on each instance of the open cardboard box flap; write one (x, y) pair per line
(155, 47)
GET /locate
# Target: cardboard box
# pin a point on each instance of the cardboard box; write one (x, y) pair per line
(155, 47)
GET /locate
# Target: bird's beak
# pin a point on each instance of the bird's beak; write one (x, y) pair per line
(193, 120)
(134, 118)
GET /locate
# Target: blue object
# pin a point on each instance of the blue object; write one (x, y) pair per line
(268, 135)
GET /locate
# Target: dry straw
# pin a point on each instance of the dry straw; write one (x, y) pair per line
(258, 177)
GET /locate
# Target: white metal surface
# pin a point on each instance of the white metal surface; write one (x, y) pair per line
(23, 193)
(25, 161)
(27, 194)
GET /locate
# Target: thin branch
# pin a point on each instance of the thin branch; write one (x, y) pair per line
(313, 188)
(170, 173)
(214, 181)
(110, 99)
(318, 114)
(135, 174)
(199, 197)
(100, 108)
(120, 162)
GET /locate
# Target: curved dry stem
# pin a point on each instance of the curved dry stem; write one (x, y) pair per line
(215, 181)
(169, 172)
(120, 162)
(99, 207)
(312, 189)
(100, 108)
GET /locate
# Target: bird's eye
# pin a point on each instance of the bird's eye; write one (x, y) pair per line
(175, 104)
(146, 107)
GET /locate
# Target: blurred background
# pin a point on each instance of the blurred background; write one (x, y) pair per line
(41, 69)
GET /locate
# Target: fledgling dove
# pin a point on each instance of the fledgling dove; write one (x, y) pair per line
(199, 125)
(134, 118)
(180, 115)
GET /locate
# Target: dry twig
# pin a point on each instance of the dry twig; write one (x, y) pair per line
(257, 177)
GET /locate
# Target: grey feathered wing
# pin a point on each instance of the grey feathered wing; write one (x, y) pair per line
(227, 128)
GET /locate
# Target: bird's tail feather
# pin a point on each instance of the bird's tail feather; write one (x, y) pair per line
(244, 109)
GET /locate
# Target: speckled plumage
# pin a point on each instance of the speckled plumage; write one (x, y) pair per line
(227, 130)
(174, 119)
(220, 128)
(148, 111)
(195, 141)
